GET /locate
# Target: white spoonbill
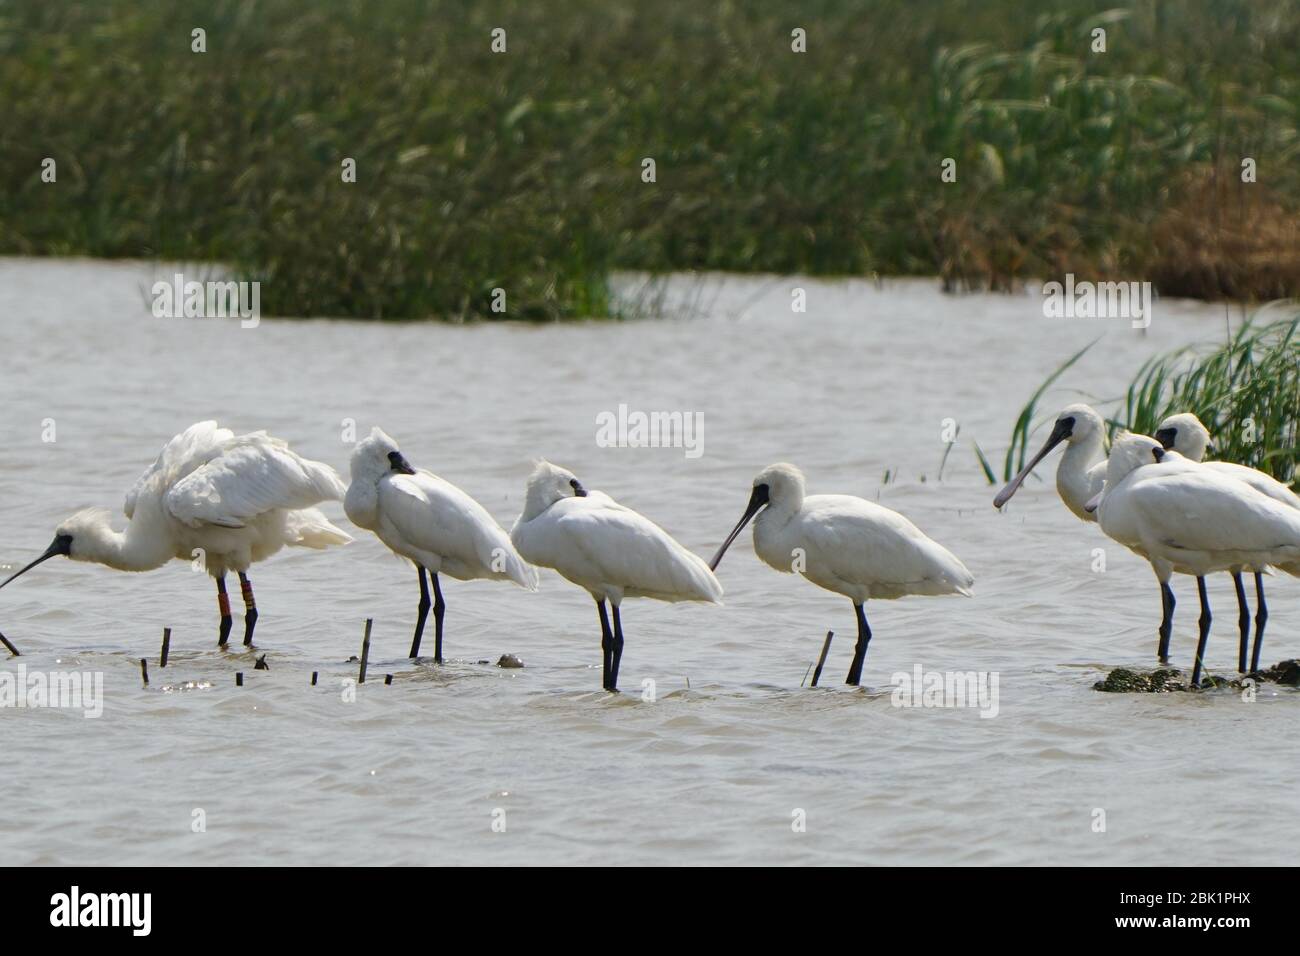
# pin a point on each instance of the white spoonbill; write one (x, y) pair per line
(610, 550)
(234, 499)
(1082, 468)
(1185, 518)
(845, 544)
(431, 523)
(1185, 434)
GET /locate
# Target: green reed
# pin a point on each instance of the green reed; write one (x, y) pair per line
(522, 171)
(1246, 390)
(1018, 451)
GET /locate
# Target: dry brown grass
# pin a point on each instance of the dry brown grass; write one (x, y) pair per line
(1220, 238)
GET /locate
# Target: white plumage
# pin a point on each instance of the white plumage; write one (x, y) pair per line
(208, 477)
(234, 500)
(1081, 470)
(1186, 434)
(1187, 518)
(845, 544)
(610, 550)
(430, 522)
(1190, 519)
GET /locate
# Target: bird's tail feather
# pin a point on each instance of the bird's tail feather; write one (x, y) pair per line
(520, 571)
(698, 581)
(309, 528)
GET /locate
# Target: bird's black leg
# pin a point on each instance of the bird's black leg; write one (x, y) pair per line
(1243, 622)
(617, 654)
(250, 608)
(223, 602)
(1166, 622)
(1261, 618)
(860, 650)
(423, 613)
(606, 643)
(1205, 632)
(439, 609)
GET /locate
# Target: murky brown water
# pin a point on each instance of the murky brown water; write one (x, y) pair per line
(412, 773)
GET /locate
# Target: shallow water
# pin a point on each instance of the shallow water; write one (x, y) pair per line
(715, 767)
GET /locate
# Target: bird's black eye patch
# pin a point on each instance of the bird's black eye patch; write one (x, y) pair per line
(578, 490)
(1066, 424)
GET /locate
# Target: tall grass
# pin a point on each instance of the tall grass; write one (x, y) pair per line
(521, 170)
(1245, 390)
(1018, 451)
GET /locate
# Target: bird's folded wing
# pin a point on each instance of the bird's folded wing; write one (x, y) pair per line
(860, 540)
(632, 551)
(251, 476)
(436, 516)
(1264, 484)
(1207, 512)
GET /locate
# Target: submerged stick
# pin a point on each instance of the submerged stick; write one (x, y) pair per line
(365, 652)
(313, 678)
(167, 646)
(821, 661)
(12, 650)
(388, 679)
(144, 671)
(239, 678)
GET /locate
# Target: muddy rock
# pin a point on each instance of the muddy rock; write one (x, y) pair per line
(1122, 680)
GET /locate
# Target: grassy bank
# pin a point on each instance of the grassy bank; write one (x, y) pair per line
(522, 170)
(1245, 390)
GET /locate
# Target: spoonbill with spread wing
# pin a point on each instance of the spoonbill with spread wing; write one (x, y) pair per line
(234, 500)
(845, 544)
(610, 550)
(1185, 434)
(431, 523)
